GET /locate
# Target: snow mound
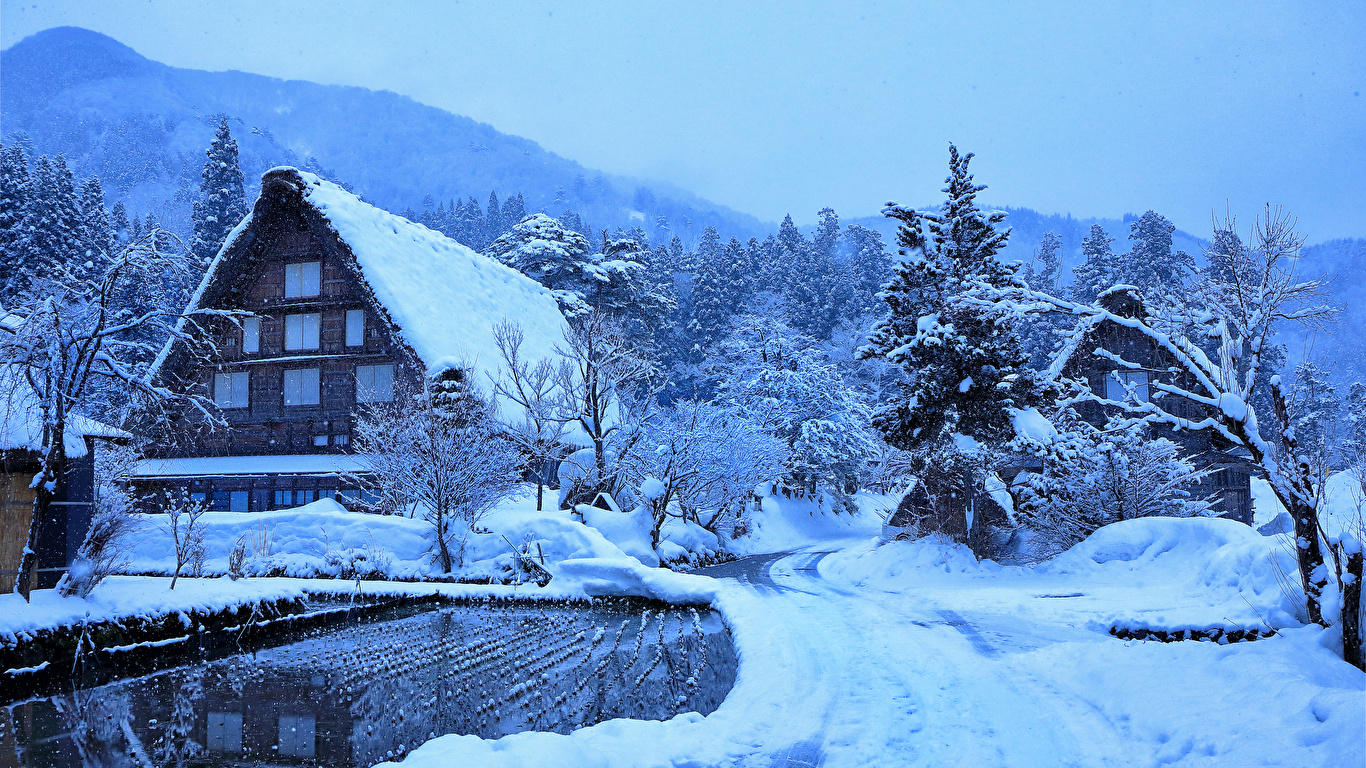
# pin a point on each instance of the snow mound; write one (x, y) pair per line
(893, 566)
(1222, 572)
(781, 524)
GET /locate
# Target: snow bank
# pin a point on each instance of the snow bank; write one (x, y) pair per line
(781, 524)
(1199, 572)
(122, 596)
(896, 565)
(610, 555)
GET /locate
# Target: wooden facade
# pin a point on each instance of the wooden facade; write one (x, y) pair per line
(1229, 482)
(68, 517)
(298, 334)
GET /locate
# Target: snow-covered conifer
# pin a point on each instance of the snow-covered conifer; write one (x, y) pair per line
(1098, 270)
(222, 202)
(964, 366)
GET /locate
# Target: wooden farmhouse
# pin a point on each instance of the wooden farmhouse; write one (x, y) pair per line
(68, 517)
(1229, 483)
(349, 304)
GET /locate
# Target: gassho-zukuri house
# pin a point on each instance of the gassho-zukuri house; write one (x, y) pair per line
(350, 303)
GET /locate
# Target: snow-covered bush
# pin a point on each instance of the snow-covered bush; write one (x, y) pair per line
(699, 463)
(103, 552)
(1092, 478)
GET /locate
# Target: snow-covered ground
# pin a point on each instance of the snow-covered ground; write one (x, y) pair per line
(913, 654)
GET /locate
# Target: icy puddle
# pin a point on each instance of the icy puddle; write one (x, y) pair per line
(365, 693)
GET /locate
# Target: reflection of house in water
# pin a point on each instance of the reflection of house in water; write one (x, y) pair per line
(355, 696)
(288, 717)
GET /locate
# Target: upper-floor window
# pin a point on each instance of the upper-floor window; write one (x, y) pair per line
(355, 327)
(302, 386)
(301, 331)
(230, 389)
(374, 383)
(304, 279)
(1118, 384)
(251, 335)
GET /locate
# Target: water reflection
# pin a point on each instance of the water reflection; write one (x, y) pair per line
(359, 695)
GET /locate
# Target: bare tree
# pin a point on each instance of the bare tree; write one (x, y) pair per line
(79, 342)
(606, 390)
(182, 518)
(450, 468)
(536, 390)
(1255, 292)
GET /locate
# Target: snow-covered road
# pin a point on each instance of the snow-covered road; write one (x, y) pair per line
(868, 678)
(937, 667)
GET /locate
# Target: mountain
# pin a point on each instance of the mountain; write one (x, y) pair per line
(143, 126)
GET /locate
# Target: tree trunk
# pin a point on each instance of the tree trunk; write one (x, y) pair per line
(54, 466)
(1351, 610)
(539, 486)
(1309, 556)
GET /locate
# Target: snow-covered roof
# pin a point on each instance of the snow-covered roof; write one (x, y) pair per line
(21, 420)
(443, 297)
(209, 466)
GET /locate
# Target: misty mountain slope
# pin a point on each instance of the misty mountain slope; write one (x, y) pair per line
(143, 127)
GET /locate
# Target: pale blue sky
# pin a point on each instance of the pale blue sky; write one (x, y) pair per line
(1094, 108)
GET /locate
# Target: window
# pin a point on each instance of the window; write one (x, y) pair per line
(341, 440)
(355, 327)
(225, 732)
(320, 441)
(348, 495)
(230, 389)
(327, 493)
(239, 501)
(222, 501)
(304, 497)
(301, 331)
(199, 497)
(301, 386)
(374, 383)
(297, 735)
(251, 335)
(284, 499)
(303, 279)
(1118, 383)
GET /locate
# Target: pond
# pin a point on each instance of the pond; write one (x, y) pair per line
(369, 692)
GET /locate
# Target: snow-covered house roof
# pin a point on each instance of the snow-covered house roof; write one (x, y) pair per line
(441, 299)
(21, 420)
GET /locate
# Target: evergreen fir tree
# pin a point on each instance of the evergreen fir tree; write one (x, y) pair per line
(1354, 439)
(514, 210)
(222, 202)
(1152, 264)
(118, 221)
(493, 223)
(14, 197)
(870, 266)
(814, 288)
(51, 232)
(97, 232)
(455, 400)
(790, 251)
(964, 367)
(1099, 269)
(711, 308)
(1049, 256)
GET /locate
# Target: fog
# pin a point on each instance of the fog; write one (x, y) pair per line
(1087, 108)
